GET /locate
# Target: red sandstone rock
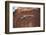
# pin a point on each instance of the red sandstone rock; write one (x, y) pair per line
(26, 17)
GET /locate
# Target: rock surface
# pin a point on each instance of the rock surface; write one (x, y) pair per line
(26, 17)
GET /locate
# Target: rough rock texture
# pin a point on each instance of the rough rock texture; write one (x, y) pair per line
(26, 17)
